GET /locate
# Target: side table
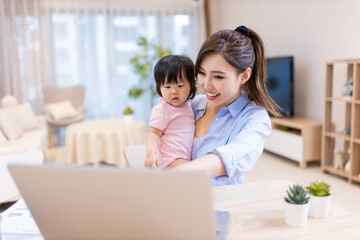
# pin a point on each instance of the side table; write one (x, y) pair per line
(103, 140)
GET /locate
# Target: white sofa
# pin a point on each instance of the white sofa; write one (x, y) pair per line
(9, 191)
(20, 129)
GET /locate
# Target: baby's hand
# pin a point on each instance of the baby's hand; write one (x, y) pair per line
(151, 161)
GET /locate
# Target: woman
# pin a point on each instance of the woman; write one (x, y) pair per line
(232, 122)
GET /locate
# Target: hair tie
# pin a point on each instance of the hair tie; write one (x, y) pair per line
(244, 30)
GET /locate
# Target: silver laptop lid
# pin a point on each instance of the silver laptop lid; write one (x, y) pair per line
(70, 202)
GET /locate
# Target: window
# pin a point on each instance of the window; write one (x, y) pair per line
(95, 49)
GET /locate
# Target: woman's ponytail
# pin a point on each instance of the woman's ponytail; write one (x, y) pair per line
(255, 87)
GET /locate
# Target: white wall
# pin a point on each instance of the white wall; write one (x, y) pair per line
(314, 31)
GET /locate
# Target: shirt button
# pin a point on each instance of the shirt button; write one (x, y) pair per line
(217, 119)
(193, 152)
(226, 108)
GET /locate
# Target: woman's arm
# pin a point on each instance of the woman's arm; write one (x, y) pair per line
(210, 162)
(239, 155)
(152, 160)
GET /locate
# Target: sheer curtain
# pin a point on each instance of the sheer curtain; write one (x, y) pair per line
(91, 42)
(23, 64)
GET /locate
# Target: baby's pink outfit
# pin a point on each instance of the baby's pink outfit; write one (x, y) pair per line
(178, 127)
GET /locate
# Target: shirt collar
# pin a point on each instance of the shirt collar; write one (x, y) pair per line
(234, 108)
(238, 105)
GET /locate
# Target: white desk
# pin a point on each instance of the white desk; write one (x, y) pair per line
(256, 213)
(103, 140)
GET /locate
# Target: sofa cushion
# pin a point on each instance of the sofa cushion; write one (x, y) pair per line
(11, 149)
(9, 125)
(61, 110)
(8, 101)
(33, 140)
(24, 116)
(3, 139)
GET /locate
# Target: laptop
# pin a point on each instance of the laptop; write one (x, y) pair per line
(72, 202)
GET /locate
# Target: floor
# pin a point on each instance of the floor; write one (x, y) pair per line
(271, 166)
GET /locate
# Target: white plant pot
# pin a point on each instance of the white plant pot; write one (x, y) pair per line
(319, 206)
(296, 214)
(128, 119)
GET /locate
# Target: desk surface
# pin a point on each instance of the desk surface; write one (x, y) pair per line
(256, 213)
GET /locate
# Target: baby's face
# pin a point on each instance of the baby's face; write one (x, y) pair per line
(175, 93)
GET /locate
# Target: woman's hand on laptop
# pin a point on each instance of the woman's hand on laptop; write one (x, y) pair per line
(151, 161)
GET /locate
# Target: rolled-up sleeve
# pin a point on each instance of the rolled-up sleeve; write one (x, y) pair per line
(240, 154)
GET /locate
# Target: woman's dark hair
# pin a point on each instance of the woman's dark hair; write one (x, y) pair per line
(173, 67)
(242, 52)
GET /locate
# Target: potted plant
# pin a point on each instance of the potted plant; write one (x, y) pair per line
(128, 115)
(296, 206)
(320, 199)
(142, 64)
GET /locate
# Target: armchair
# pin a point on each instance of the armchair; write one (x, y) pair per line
(63, 106)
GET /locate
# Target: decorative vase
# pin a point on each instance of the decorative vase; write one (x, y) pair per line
(319, 206)
(296, 214)
(128, 119)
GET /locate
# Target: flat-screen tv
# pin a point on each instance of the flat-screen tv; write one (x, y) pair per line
(280, 83)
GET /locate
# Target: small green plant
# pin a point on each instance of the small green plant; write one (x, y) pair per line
(297, 195)
(319, 189)
(128, 110)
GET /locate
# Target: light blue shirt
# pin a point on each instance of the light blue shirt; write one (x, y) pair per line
(237, 134)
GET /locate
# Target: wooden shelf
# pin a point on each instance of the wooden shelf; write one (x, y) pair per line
(338, 135)
(344, 60)
(339, 99)
(356, 179)
(349, 145)
(331, 169)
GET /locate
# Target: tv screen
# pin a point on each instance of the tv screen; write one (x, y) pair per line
(280, 83)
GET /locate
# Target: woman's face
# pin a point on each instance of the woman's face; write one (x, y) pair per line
(219, 80)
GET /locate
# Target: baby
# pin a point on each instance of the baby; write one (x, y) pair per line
(172, 127)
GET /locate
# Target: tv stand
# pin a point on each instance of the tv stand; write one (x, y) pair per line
(296, 138)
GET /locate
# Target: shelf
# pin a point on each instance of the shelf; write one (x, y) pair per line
(356, 179)
(286, 129)
(335, 75)
(338, 135)
(342, 173)
(343, 60)
(339, 99)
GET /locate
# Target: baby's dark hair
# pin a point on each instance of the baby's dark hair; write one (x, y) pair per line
(173, 67)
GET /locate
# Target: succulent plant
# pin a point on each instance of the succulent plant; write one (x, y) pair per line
(297, 195)
(319, 189)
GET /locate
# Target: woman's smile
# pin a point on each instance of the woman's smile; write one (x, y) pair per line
(212, 96)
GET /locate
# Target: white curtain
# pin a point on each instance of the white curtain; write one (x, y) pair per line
(91, 42)
(23, 64)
